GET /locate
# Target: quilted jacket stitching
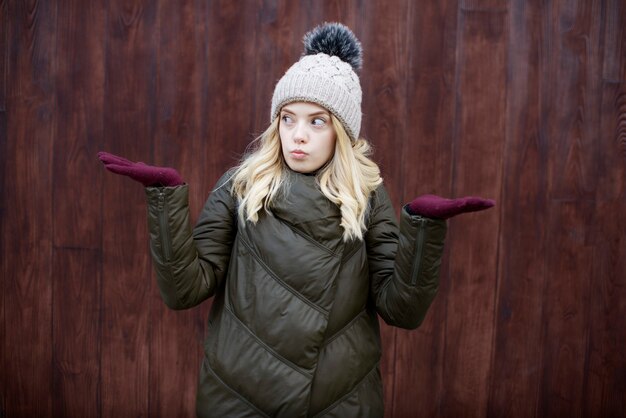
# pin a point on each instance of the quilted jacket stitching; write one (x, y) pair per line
(345, 328)
(267, 347)
(234, 392)
(356, 387)
(310, 239)
(281, 282)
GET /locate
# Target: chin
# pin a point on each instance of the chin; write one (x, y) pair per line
(301, 168)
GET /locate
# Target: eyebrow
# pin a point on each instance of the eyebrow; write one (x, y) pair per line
(321, 112)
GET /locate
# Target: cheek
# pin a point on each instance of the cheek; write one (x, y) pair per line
(282, 140)
(330, 146)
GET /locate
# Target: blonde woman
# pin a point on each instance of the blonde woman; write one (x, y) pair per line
(300, 248)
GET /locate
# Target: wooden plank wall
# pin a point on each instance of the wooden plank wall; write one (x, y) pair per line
(523, 101)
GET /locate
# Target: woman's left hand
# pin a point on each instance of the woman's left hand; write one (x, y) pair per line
(432, 206)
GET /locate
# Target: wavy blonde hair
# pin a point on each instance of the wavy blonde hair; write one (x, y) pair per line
(347, 179)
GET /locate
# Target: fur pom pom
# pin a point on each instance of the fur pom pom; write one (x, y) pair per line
(334, 39)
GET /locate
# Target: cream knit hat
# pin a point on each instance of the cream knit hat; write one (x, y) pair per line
(326, 75)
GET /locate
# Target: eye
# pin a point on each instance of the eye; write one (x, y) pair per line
(318, 122)
(286, 119)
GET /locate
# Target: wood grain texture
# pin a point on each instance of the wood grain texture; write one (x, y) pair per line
(517, 344)
(605, 366)
(275, 53)
(477, 161)
(79, 112)
(566, 310)
(129, 112)
(614, 42)
(612, 143)
(521, 101)
(612, 135)
(177, 143)
(572, 60)
(79, 115)
(4, 55)
(27, 229)
(229, 102)
(573, 127)
(76, 333)
(605, 358)
(426, 159)
(384, 124)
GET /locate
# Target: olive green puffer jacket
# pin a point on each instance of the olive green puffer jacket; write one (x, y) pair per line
(293, 329)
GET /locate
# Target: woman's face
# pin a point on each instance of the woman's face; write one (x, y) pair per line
(307, 136)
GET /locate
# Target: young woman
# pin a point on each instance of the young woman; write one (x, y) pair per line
(300, 247)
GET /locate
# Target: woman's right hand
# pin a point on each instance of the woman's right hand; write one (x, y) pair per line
(145, 174)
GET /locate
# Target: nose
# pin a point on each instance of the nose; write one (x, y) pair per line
(300, 133)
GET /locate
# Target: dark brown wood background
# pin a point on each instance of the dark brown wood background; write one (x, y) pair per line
(523, 101)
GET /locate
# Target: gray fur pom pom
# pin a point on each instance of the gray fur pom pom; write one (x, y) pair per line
(334, 39)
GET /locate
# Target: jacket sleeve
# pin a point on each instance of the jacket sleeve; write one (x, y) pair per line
(404, 265)
(190, 264)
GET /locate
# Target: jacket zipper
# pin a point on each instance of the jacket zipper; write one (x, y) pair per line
(418, 256)
(165, 238)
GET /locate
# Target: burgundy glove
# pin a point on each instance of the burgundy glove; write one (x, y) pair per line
(145, 174)
(432, 206)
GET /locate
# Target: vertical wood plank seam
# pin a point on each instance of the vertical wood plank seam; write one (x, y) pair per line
(101, 310)
(544, 39)
(503, 161)
(6, 22)
(457, 103)
(453, 154)
(588, 327)
(155, 128)
(598, 129)
(53, 130)
(609, 23)
(5, 53)
(407, 57)
(105, 56)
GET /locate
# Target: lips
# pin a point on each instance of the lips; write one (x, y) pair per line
(298, 154)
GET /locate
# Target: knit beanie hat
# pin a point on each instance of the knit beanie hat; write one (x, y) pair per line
(325, 75)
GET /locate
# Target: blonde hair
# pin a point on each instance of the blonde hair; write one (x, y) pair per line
(347, 179)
